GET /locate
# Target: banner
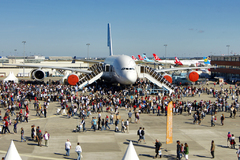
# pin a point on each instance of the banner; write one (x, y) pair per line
(169, 123)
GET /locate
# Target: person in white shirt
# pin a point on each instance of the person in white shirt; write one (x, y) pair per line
(78, 150)
(46, 138)
(67, 147)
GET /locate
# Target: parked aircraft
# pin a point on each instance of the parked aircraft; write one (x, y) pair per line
(115, 68)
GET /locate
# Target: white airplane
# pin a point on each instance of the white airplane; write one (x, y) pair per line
(115, 68)
(122, 68)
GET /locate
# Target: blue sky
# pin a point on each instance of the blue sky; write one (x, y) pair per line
(63, 28)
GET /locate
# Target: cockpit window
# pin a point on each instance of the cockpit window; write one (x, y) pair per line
(127, 69)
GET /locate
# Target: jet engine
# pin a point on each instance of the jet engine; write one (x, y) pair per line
(167, 77)
(72, 79)
(37, 74)
(192, 76)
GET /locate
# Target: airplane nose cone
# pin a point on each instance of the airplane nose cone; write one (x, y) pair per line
(131, 77)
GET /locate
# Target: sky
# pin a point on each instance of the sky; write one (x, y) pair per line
(190, 28)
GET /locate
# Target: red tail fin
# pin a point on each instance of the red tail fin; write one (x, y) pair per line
(140, 58)
(156, 57)
(134, 58)
(177, 61)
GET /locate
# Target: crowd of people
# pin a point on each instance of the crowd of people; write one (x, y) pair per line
(18, 99)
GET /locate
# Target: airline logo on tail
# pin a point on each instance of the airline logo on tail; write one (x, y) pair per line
(140, 58)
(177, 61)
(206, 60)
(156, 57)
(135, 59)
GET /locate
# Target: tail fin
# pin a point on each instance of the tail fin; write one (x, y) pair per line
(140, 58)
(134, 58)
(74, 59)
(144, 56)
(177, 61)
(206, 61)
(109, 40)
(156, 57)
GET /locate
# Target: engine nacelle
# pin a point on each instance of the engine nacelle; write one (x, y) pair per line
(167, 77)
(72, 79)
(37, 74)
(192, 76)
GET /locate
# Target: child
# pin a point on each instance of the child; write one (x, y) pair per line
(15, 127)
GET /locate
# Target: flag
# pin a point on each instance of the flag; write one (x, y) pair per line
(169, 123)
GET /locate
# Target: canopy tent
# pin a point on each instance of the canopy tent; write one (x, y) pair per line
(11, 77)
(130, 153)
(12, 153)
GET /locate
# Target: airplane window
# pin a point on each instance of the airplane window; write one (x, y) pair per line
(123, 69)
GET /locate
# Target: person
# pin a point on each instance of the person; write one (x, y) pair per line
(33, 133)
(22, 135)
(130, 116)
(222, 119)
(139, 133)
(46, 138)
(127, 125)
(111, 118)
(232, 141)
(78, 150)
(212, 149)
(123, 127)
(67, 147)
(212, 121)
(238, 153)
(15, 127)
(39, 138)
(228, 137)
(116, 125)
(178, 150)
(186, 151)
(157, 148)
(103, 125)
(83, 124)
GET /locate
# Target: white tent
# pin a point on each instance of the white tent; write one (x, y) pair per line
(11, 77)
(130, 153)
(12, 153)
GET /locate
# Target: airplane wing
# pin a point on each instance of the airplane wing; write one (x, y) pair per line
(181, 68)
(53, 67)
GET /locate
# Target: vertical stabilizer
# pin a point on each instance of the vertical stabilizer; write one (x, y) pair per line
(109, 40)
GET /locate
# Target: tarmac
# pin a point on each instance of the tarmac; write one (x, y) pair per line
(106, 145)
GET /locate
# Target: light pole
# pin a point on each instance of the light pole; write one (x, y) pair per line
(88, 44)
(15, 53)
(228, 48)
(24, 57)
(165, 45)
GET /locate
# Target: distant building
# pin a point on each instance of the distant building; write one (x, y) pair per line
(228, 67)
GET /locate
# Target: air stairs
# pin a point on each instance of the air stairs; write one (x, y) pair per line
(86, 79)
(156, 78)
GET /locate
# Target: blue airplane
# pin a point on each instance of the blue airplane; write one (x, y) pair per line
(146, 59)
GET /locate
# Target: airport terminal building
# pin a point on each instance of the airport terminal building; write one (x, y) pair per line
(228, 67)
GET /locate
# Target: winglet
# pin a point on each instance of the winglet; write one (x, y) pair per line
(109, 43)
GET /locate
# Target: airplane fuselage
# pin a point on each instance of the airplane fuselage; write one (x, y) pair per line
(120, 68)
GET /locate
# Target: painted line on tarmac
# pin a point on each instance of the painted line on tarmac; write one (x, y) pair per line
(32, 156)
